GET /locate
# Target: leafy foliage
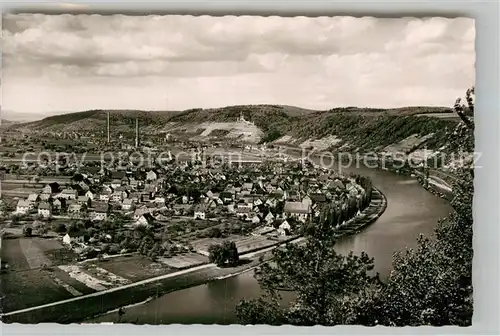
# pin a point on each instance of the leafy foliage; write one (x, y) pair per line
(225, 254)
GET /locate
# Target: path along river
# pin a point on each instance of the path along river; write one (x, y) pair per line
(411, 210)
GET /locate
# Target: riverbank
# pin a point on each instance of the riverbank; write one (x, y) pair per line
(99, 303)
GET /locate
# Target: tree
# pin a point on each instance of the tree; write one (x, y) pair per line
(436, 276)
(27, 231)
(215, 232)
(60, 228)
(224, 255)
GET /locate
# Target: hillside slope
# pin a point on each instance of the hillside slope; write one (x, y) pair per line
(362, 128)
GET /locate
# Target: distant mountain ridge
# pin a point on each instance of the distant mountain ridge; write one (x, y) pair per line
(360, 127)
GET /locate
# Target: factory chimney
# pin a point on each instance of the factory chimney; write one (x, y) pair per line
(136, 132)
(108, 129)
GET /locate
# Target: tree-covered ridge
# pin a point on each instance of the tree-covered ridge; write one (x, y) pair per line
(360, 127)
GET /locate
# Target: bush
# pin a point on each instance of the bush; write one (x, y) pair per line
(27, 231)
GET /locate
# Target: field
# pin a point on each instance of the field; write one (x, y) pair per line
(243, 244)
(133, 268)
(24, 280)
(185, 260)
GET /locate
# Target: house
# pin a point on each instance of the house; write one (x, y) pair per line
(117, 196)
(127, 204)
(67, 239)
(56, 204)
(269, 218)
(84, 186)
(125, 181)
(226, 196)
(69, 194)
(106, 189)
(307, 200)
(318, 197)
(244, 213)
(23, 206)
(99, 212)
(247, 186)
(297, 210)
(44, 209)
(159, 200)
(145, 220)
(199, 212)
(118, 174)
(45, 197)
(84, 200)
(116, 183)
(255, 219)
(151, 176)
(90, 195)
(74, 208)
(284, 228)
(47, 189)
(32, 197)
(105, 195)
(141, 211)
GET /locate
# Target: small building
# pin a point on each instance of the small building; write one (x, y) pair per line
(67, 239)
(255, 219)
(117, 196)
(141, 211)
(56, 204)
(45, 197)
(84, 200)
(105, 195)
(244, 213)
(199, 212)
(127, 204)
(284, 228)
(99, 212)
(297, 210)
(116, 183)
(145, 220)
(151, 176)
(44, 209)
(23, 206)
(69, 194)
(90, 195)
(74, 208)
(33, 198)
(269, 218)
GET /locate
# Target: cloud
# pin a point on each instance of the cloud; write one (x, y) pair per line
(356, 56)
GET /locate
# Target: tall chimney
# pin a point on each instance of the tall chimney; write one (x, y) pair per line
(136, 132)
(108, 128)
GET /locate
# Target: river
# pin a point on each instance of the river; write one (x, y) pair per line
(411, 210)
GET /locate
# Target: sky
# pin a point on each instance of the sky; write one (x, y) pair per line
(78, 62)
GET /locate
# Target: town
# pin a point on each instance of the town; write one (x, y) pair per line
(89, 227)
